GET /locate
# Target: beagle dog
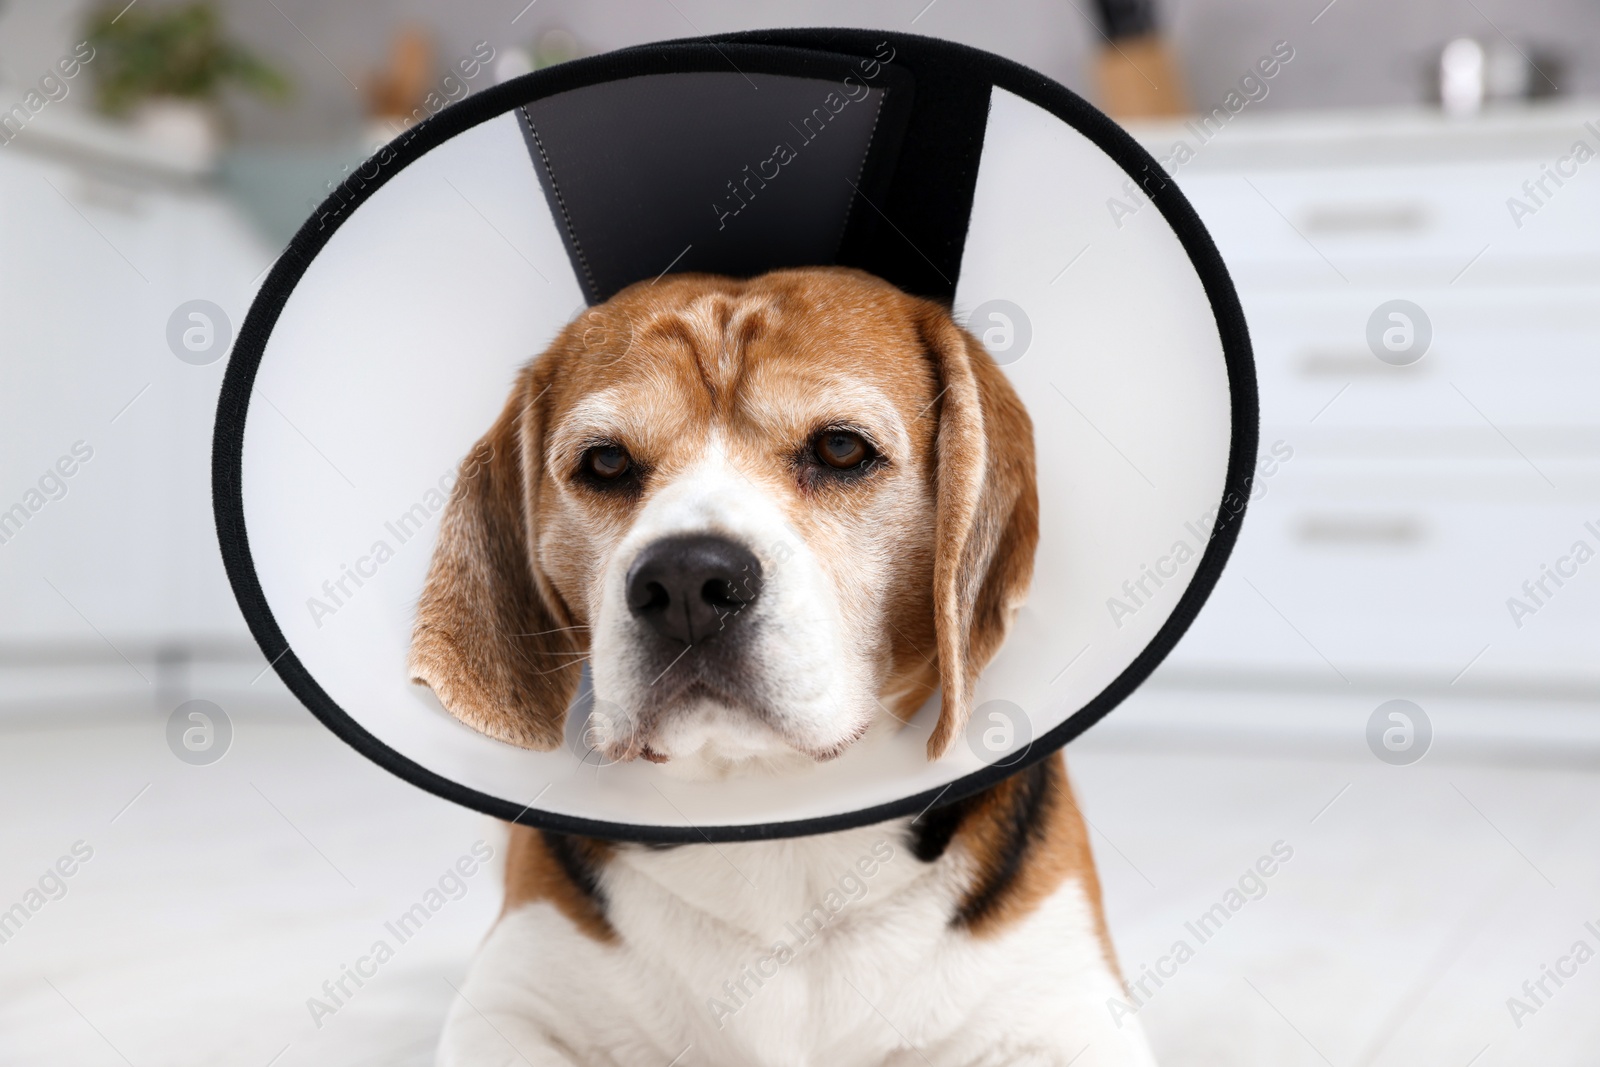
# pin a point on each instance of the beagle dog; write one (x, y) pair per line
(772, 515)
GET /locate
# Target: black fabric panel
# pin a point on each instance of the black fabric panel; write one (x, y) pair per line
(637, 171)
(919, 222)
(726, 172)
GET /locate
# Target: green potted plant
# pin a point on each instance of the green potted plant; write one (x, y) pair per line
(165, 67)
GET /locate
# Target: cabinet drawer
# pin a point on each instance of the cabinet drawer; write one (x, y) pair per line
(1393, 583)
(1495, 357)
(1360, 221)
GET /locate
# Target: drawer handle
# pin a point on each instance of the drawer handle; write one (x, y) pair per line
(1359, 364)
(1360, 531)
(1353, 219)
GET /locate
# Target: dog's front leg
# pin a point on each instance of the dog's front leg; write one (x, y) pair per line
(538, 994)
(472, 1039)
(1112, 1052)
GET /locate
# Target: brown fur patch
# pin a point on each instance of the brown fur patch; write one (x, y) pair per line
(1026, 837)
(562, 869)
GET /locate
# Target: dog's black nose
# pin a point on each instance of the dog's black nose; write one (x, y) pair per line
(691, 588)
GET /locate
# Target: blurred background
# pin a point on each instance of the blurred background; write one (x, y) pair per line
(1409, 205)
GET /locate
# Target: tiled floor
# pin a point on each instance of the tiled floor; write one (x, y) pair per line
(1416, 900)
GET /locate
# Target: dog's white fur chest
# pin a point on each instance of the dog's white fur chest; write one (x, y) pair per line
(836, 950)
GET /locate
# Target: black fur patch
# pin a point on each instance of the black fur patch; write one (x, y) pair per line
(929, 833)
(1021, 827)
(577, 863)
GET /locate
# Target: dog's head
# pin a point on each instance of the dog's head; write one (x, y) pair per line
(765, 511)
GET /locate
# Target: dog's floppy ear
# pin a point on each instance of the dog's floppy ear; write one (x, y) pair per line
(492, 638)
(986, 514)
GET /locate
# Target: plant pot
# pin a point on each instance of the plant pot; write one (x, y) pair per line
(188, 131)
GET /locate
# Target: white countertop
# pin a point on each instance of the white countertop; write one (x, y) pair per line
(1256, 139)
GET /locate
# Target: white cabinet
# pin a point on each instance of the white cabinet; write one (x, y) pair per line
(1420, 498)
(120, 560)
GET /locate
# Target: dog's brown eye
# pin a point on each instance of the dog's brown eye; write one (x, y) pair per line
(841, 449)
(607, 462)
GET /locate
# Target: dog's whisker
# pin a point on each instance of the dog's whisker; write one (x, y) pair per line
(896, 717)
(910, 642)
(671, 665)
(557, 667)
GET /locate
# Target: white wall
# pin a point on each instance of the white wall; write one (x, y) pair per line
(1357, 53)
